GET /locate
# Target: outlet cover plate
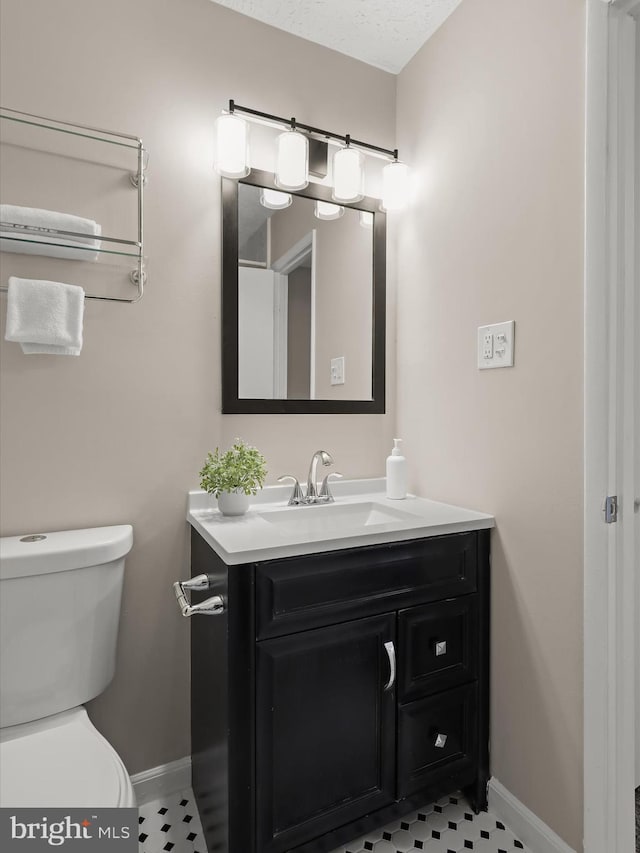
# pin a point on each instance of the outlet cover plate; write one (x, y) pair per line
(495, 345)
(337, 370)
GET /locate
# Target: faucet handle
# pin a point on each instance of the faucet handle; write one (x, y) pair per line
(297, 497)
(325, 493)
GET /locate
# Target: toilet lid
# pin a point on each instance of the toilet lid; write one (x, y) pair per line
(60, 762)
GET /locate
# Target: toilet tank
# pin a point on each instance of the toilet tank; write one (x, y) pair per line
(59, 612)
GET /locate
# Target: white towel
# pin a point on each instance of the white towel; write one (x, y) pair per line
(45, 316)
(73, 248)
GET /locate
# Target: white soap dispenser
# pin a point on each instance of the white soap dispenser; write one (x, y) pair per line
(396, 473)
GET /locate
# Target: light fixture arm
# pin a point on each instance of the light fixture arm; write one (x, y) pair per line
(269, 118)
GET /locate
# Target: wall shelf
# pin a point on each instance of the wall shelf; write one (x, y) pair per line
(61, 239)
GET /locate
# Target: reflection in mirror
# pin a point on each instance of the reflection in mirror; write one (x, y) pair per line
(305, 299)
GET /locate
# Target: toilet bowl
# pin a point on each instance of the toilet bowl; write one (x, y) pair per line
(61, 761)
(59, 612)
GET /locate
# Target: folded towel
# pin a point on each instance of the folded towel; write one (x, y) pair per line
(45, 316)
(35, 217)
(40, 222)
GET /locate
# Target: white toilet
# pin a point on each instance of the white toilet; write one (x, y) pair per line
(59, 611)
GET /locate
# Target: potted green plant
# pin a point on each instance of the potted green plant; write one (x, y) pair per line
(234, 476)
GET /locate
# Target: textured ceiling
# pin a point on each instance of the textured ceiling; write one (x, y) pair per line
(384, 33)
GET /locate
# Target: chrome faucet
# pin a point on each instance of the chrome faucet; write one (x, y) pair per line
(313, 496)
(312, 479)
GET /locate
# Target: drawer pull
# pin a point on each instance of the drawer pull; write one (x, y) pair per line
(441, 741)
(391, 652)
(441, 648)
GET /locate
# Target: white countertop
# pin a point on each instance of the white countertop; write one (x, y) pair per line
(253, 537)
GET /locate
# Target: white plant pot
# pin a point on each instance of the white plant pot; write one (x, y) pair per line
(233, 503)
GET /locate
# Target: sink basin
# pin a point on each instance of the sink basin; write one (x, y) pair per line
(361, 515)
(334, 518)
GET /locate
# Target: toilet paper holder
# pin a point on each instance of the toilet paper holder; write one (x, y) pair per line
(213, 606)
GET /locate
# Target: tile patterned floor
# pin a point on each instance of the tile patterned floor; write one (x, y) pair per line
(447, 826)
(171, 824)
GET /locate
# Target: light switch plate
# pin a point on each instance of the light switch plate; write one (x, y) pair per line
(495, 345)
(337, 370)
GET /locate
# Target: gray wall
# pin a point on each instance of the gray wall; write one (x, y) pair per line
(490, 115)
(119, 434)
(298, 328)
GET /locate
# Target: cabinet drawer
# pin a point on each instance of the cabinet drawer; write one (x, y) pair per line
(437, 647)
(299, 593)
(436, 737)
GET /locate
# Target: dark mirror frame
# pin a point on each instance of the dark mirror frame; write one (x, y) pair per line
(231, 403)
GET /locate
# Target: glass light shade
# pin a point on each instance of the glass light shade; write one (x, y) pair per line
(395, 186)
(366, 219)
(327, 210)
(275, 200)
(348, 175)
(232, 147)
(292, 161)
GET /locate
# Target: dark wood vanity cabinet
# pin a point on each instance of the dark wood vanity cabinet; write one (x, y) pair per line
(339, 691)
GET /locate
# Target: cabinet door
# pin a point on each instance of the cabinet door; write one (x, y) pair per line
(325, 752)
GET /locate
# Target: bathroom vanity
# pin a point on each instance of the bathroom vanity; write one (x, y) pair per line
(344, 684)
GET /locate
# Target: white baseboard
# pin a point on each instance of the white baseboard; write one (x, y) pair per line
(162, 781)
(167, 779)
(525, 825)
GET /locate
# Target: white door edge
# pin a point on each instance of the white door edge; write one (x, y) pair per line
(609, 582)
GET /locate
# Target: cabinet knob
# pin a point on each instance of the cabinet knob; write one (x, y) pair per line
(441, 648)
(440, 741)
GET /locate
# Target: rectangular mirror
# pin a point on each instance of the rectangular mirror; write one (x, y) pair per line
(303, 302)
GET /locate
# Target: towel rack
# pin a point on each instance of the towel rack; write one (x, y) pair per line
(117, 246)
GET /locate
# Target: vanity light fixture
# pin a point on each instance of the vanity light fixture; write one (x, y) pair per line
(366, 219)
(395, 185)
(348, 174)
(274, 199)
(232, 146)
(326, 210)
(292, 159)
